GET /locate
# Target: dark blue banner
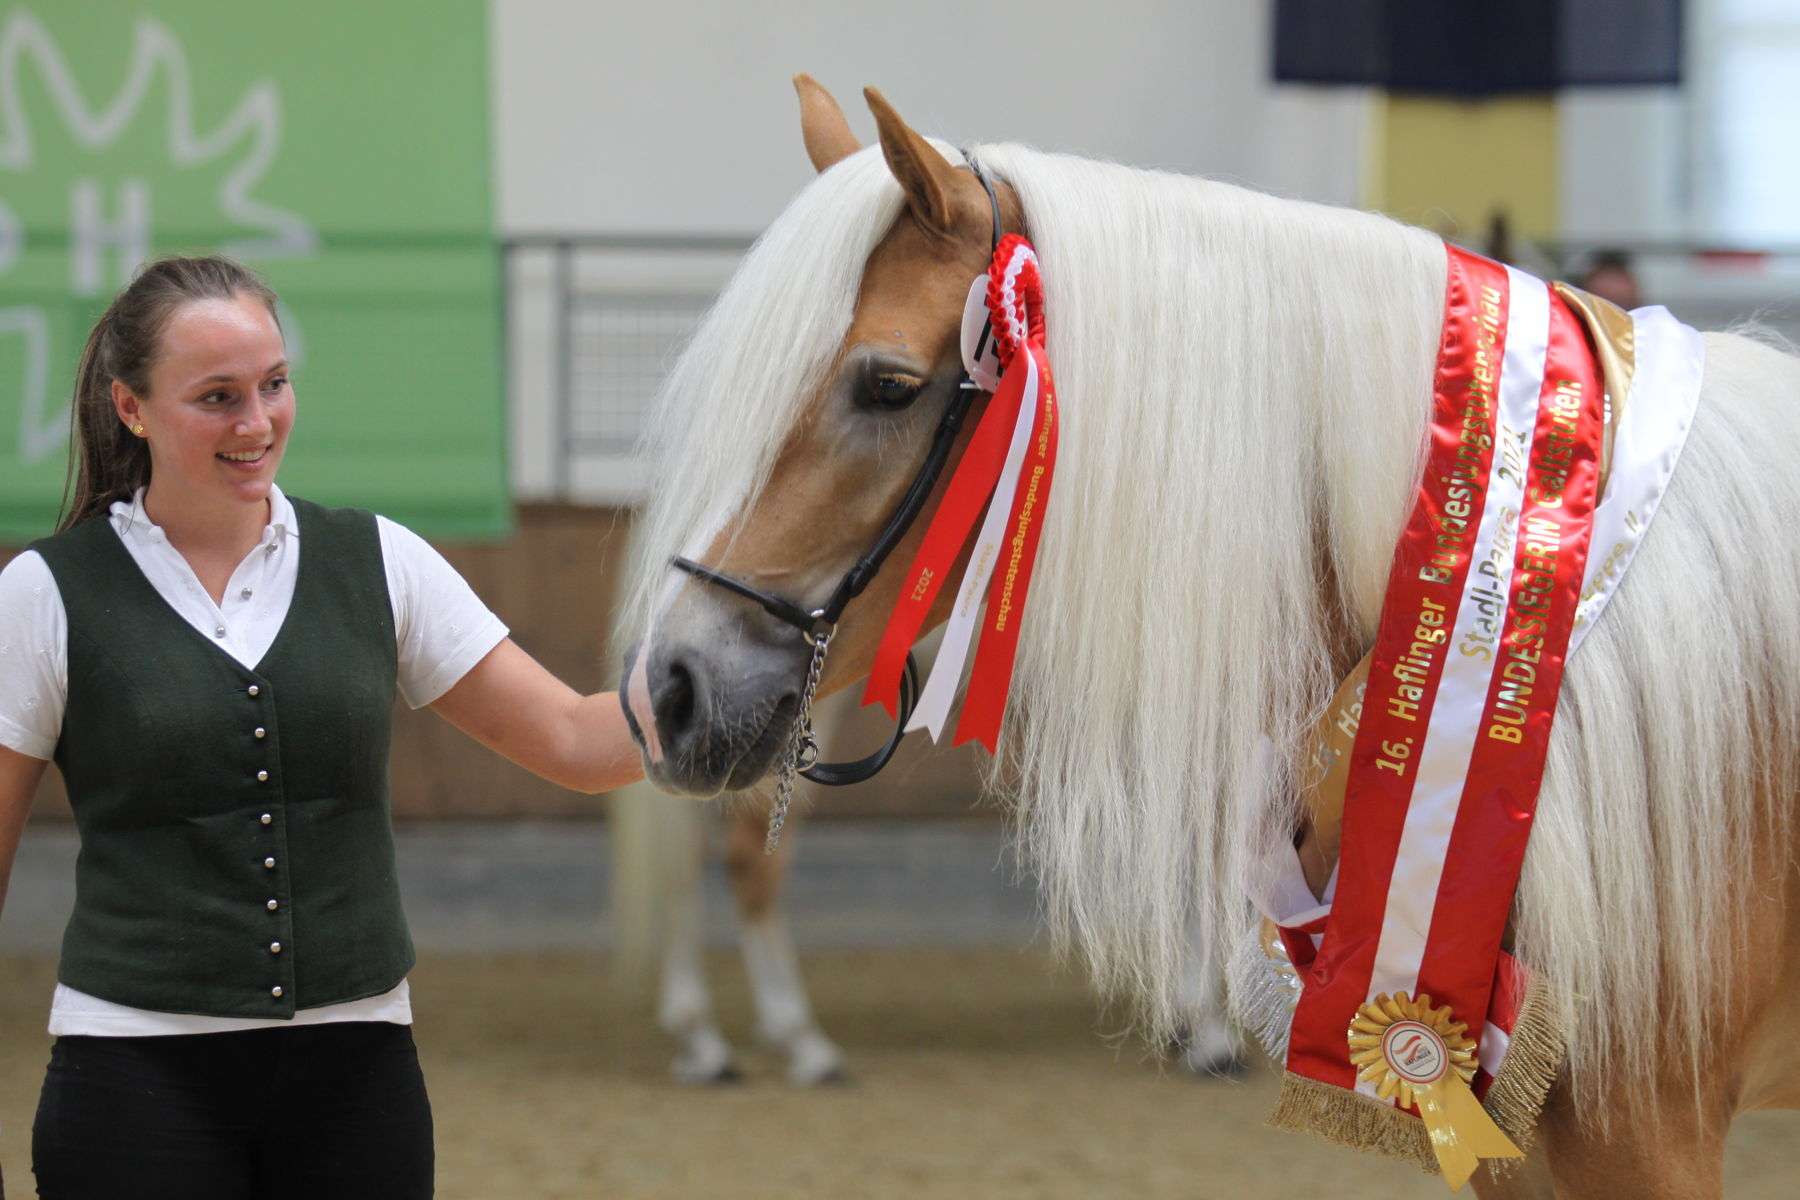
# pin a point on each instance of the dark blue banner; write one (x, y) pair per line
(1439, 48)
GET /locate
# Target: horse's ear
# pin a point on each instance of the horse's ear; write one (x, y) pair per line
(822, 125)
(925, 175)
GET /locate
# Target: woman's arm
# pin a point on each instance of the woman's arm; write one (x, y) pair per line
(19, 775)
(511, 704)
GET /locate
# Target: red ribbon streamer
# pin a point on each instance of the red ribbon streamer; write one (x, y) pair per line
(963, 501)
(1015, 303)
(989, 681)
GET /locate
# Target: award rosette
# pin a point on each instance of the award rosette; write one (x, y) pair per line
(1416, 1054)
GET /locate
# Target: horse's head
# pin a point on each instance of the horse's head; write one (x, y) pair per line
(712, 687)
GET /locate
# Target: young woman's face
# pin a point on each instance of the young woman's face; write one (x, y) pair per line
(220, 405)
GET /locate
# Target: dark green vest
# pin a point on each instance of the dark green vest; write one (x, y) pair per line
(237, 858)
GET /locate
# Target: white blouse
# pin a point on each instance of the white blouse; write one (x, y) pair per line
(441, 629)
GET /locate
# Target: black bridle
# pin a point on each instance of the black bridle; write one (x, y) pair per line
(817, 623)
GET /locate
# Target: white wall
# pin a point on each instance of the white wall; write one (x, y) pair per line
(679, 115)
(1623, 171)
(616, 117)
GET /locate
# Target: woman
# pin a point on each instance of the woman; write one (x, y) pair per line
(212, 665)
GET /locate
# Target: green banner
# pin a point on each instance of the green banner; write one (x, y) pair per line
(340, 147)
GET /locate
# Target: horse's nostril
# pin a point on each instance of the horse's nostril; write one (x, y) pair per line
(675, 701)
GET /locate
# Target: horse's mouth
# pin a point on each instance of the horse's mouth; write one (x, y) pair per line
(764, 753)
(723, 763)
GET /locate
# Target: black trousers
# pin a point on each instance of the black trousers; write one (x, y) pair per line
(308, 1112)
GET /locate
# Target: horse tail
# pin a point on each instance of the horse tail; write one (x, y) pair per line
(655, 856)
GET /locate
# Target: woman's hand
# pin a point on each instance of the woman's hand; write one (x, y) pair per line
(509, 703)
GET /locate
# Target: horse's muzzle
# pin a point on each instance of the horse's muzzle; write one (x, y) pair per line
(710, 718)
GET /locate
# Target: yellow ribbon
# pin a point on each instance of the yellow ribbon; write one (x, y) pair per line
(1437, 1061)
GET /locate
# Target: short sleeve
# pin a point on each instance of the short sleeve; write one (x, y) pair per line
(34, 657)
(441, 628)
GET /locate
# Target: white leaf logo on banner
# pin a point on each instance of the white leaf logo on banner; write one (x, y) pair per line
(110, 224)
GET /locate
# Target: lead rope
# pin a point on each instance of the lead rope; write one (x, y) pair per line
(802, 747)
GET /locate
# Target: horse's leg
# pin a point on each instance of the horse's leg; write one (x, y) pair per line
(1208, 1042)
(784, 1017)
(658, 845)
(684, 1006)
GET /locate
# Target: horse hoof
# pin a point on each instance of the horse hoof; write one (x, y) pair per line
(1227, 1066)
(814, 1061)
(1211, 1049)
(703, 1056)
(693, 1074)
(706, 1060)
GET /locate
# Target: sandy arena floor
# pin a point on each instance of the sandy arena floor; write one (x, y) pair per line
(978, 1073)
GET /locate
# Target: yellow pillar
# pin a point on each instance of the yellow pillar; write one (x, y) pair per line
(1449, 165)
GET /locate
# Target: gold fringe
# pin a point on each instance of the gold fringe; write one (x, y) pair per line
(1539, 1038)
(1349, 1118)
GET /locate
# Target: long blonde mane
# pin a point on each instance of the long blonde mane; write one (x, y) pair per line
(1241, 430)
(1244, 383)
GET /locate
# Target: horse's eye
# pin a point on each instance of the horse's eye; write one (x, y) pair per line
(894, 391)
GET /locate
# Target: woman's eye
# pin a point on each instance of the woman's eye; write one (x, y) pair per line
(894, 391)
(275, 385)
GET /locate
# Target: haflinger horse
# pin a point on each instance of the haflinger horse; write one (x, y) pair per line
(1244, 385)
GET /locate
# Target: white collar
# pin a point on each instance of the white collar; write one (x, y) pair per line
(129, 516)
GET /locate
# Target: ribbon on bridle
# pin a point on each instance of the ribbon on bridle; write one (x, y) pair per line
(1008, 466)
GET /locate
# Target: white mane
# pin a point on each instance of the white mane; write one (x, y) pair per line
(1244, 383)
(1234, 404)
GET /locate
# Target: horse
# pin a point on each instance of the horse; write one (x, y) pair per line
(1244, 383)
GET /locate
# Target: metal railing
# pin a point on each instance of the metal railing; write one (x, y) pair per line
(615, 312)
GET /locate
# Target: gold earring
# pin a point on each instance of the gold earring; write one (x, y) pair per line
(138, 429)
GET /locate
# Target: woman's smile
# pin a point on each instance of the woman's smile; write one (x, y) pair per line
(251, 458)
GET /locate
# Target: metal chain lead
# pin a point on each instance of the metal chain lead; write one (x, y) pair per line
(802, 747)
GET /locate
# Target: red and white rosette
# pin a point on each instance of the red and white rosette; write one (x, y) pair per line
(1008, 465)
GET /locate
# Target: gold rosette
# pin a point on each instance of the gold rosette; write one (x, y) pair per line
(1416, 1054)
